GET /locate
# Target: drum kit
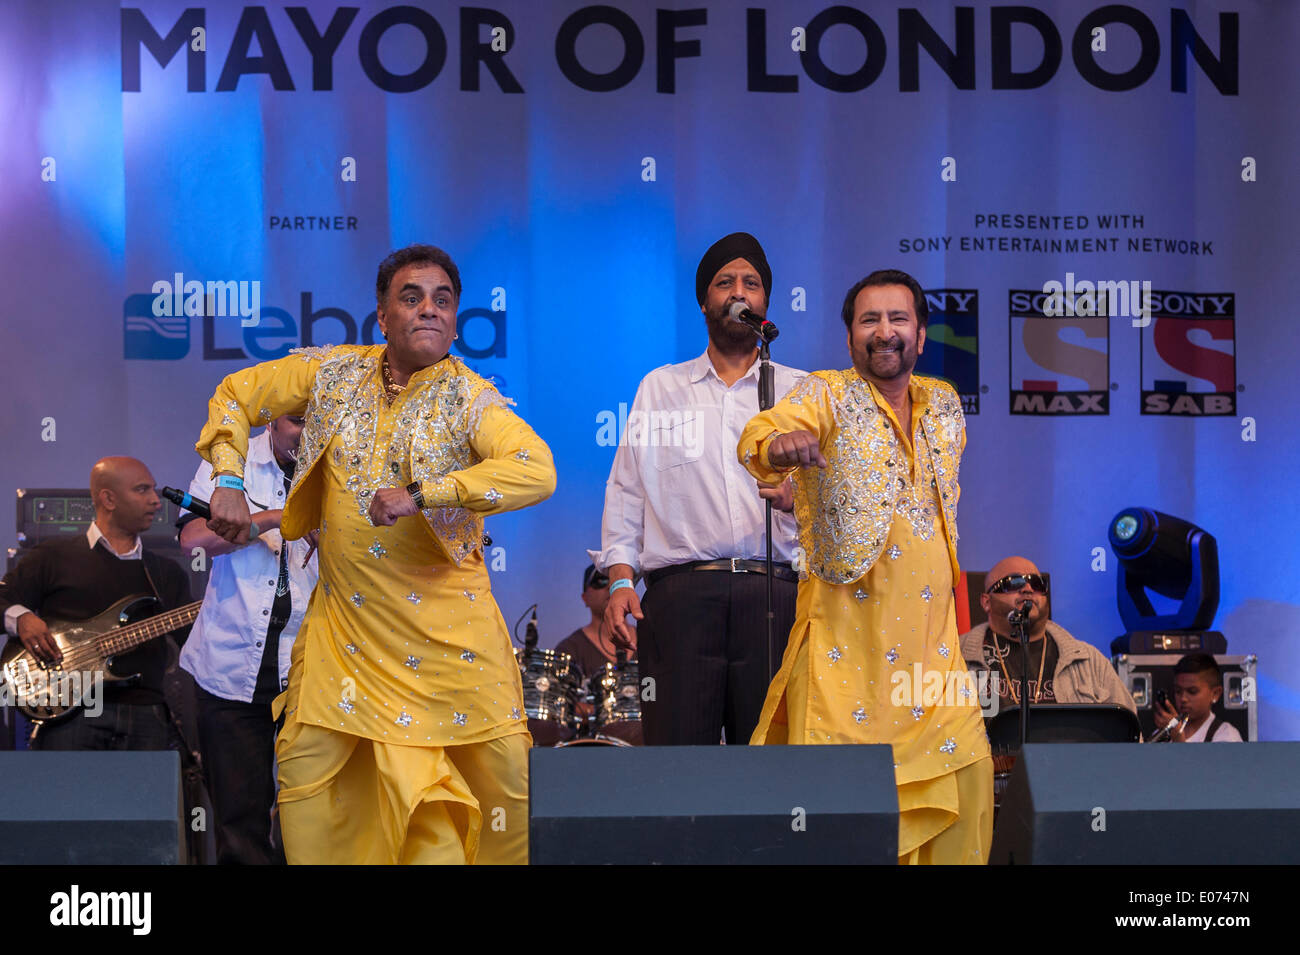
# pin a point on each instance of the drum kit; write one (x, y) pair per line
(565, 710)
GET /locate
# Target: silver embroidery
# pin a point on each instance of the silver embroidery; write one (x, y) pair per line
(467, 656)
(413, 662)
(460, 719)
(358, 599)
(404, 720)
(833, 654)
(949, 746)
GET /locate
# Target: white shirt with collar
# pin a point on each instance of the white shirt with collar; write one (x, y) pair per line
(224, 649)
(676, 492)
(93, 537)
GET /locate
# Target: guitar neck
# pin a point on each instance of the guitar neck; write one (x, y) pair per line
(126, 638)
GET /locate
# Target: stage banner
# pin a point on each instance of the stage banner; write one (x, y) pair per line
(1100, 198)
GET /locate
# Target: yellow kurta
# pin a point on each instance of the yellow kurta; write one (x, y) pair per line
(403, 643)
(860, 654)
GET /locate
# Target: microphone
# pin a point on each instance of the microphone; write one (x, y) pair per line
(195, 505)
(1021, 613)
(765, 330)
(530, 631)
(1172, 725)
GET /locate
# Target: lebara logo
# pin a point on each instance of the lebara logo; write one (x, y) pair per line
(148, 336)
(1059, 366)
(952, 343)
(1189, 355)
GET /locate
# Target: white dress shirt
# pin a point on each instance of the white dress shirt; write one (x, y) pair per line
(676, 492)
(224, 649)
(93, 537)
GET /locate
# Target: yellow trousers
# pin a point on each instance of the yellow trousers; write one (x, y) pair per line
(947, 820)
(927, 806)
(349, 800)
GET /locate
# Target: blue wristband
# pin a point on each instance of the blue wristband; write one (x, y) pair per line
(229, 480)
(619, 584)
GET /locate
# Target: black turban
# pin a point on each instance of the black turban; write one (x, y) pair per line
(738, 245)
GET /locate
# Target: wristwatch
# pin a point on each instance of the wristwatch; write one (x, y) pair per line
(417, 495)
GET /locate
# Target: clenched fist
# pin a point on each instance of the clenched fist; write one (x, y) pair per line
(390, 503)
(797, 449)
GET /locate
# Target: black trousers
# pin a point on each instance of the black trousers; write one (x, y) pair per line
(703, 642)
(238, 744)
(121, 726)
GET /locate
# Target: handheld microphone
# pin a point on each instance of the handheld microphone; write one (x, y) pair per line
(530, 631)
(195, 505)
(765, 330)
(1174, 723)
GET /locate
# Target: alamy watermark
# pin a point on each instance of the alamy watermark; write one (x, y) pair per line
(1122, 299)
(679, 428)
(926, 688)
(217, 299)
(41, 689)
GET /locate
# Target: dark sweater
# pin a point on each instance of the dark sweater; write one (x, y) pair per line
(64, 579)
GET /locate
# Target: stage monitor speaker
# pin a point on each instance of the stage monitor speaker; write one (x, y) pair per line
(719, 805)
(1151, 804)
(91, 808)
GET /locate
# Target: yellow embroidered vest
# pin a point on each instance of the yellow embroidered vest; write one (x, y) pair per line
(845, 509)
(438, 418)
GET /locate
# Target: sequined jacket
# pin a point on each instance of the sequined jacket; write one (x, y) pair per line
(441, 417)
(845, 510)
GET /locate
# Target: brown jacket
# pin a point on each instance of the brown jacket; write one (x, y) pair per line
(1082, 675)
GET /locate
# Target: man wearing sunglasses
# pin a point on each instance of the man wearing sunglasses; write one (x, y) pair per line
(1062, 669)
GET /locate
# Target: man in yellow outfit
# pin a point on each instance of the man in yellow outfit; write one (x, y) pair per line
(404, 737)
(874, 655)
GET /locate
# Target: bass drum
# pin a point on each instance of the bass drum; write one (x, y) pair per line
(550, 692)
(616, 691)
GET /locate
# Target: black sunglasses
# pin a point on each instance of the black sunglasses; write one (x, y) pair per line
(1014, 582)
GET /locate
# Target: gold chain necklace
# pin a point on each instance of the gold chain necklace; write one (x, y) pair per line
(1011, 687)
(391, 388)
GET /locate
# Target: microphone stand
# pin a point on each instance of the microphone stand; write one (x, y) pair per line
(1017, 619)
(767, 398)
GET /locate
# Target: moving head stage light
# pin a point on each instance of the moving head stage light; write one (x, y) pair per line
(1173, 558)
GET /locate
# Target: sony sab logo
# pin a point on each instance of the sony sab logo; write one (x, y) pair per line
(147, 336)
(952, 343)
(1189, 355)
(1059, 366)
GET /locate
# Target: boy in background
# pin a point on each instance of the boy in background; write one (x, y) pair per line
(1198, 686)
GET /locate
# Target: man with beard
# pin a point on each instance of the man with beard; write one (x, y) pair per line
(874, 655)
(680, 511)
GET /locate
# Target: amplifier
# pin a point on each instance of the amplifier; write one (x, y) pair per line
(45, 512)
(1144, 674)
